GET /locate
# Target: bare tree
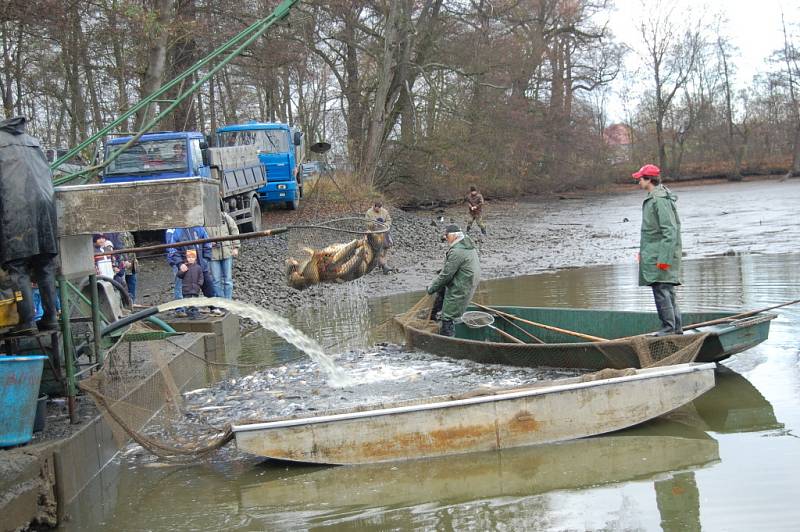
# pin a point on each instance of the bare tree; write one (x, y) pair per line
(156, 57)
(790, 57)
(671, 54)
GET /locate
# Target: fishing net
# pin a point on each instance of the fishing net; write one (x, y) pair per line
(335, 251)
(476, 319)
(138, 391)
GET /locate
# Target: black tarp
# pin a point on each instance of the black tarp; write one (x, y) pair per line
(27, 207)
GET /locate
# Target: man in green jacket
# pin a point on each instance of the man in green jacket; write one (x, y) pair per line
(457, 280)
(660, 248)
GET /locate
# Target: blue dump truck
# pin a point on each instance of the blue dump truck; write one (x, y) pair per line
(281, 149)
(173, 155)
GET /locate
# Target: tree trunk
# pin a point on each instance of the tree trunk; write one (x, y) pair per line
(375, 135)
(156, 59)
(183, 54)
(118, 71)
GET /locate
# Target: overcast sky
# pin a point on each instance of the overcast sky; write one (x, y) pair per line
(752, 26)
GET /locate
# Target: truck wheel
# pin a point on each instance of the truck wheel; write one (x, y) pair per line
(255, 211)
(255, 217)
(294, 204)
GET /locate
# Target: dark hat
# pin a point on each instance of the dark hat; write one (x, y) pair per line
(380, 220)
(452, 228)
(95, 236)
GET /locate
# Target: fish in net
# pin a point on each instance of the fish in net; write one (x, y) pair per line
(337, 251)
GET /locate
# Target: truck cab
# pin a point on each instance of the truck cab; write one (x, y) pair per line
(157, 156)
(281, 149)
(185, 154)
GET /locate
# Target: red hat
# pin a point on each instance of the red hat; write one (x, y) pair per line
(648, 170)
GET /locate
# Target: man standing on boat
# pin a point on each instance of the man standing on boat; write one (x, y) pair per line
(457, 281)
(660, 247)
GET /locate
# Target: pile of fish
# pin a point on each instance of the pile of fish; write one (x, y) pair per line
(383, 374)
(336, 263)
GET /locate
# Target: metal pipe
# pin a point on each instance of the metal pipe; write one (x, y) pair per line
(98, 348)
(244, 236)
(84, 299)
(161, 323)
(69, 353)
(382, 228)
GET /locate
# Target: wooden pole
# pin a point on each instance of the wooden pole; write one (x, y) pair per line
(511, 322)
(542, 325)
(503, 333)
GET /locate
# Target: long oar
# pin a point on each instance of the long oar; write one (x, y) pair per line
(738, 316)
(541, 325)
(530, 335)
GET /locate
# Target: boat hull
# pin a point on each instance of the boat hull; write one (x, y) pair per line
(562, 351)
(561, 411)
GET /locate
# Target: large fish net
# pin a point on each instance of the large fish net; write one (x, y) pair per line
(335, 251)
(138, 391)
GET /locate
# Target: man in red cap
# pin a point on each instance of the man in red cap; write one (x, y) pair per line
(660, 247)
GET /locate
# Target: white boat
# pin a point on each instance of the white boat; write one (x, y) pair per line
(560, 410)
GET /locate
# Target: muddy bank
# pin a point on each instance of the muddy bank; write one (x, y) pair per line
(524, 237)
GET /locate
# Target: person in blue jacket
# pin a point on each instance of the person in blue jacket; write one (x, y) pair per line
(176, 257)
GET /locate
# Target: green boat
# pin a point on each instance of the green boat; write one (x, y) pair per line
(623, 340)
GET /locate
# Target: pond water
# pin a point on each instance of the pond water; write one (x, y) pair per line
(729, 461)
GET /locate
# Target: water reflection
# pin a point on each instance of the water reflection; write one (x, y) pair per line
(637, 454)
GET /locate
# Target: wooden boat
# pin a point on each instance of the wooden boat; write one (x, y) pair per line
(560, 410)
(561, 350)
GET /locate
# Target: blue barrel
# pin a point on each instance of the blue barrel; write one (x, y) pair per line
(19, 389)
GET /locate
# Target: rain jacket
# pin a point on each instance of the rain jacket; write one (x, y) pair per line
(382, 213)
(126, 241)
(475, 200)
(660, 239)
(191, 280)
(460, 276)
(223, 250)
(177, 255)
(27, 207)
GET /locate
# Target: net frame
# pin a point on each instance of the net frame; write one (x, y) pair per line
(476, 319)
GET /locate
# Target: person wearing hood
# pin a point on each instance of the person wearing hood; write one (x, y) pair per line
(660, 248)
(457, 281)
(28, 232)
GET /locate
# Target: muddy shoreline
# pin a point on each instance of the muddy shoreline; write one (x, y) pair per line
(524, 237)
